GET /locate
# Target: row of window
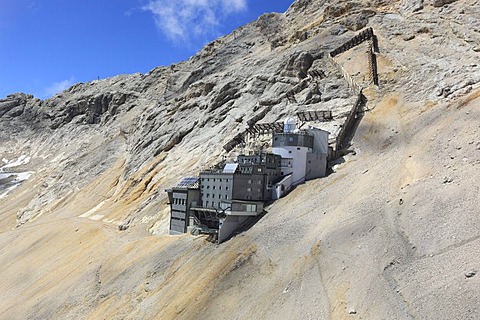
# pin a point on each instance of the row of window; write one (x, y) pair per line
(214, 187)
(258, 161)
(258, 197)
(214, 179)
(179, 201)
(219, 196)
(213, 204)
(247, 207)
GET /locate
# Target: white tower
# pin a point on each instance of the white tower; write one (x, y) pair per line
(289, 125)
(293, 146)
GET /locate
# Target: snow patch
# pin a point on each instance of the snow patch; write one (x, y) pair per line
(23, 159)
(22, 176)
(5, 175)
(18, 177)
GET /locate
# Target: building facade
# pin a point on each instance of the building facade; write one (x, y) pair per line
(304, 152)
(224, 199)
(181, 198)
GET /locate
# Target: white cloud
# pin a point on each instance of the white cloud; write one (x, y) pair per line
(184, 20)
(58, 87)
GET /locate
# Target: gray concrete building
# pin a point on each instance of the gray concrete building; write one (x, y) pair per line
(225, 198)
(304, 152)
(250, 178)
(215, 187)
(181, 198)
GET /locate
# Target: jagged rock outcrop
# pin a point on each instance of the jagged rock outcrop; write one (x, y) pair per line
(385, 222)
(440, 3)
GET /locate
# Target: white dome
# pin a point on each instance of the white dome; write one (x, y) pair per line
(289, 125)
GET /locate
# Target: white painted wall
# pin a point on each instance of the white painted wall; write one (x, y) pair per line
(281, 188)
(299, 160)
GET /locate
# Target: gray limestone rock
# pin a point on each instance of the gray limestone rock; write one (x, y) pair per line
(441, 3)
(103, 152)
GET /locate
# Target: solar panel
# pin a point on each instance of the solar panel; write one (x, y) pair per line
(188, 181)
(230, 168)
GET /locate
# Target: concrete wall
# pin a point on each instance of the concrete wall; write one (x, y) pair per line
(320, 141)
(299, 160)
(177, 226)
(316, 165)
(282, 188)
(228, 226)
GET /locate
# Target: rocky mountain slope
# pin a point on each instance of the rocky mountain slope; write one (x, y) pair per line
(392, 233)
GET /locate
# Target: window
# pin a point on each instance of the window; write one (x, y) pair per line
(208, 179)
(290, 151)
(213, 179)
(206, 204)
(213, 195)
(208, 187)
(259, 169)
(259, 181)
(290, 138)
(226, 188)
(208, 195)
(219, 187)
(298, 148)
(226, 197)
(249, 189)
(220, 179)
(249, 181)
(213, 187)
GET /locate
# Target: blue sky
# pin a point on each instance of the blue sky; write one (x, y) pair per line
(48, 45)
